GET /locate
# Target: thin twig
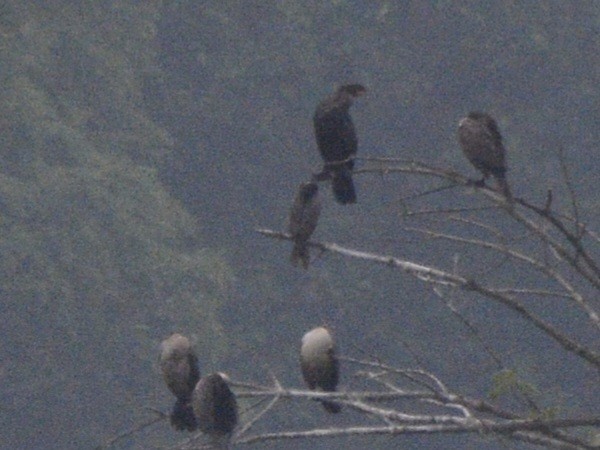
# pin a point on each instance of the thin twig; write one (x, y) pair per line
(159, 418)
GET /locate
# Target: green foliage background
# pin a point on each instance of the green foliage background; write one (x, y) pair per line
(142, 142)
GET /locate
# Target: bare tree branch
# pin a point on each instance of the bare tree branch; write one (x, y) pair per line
(470, 426)
(544, 268)
(551, 246)
(440, 277)
(591, 271)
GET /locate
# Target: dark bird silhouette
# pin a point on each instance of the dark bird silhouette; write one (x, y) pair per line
(337, 141)
(216, 408)
(319, 363)
(179, 367)
(481, 143)
(303, 221)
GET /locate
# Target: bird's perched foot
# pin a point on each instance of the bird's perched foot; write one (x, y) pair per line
(476, 183)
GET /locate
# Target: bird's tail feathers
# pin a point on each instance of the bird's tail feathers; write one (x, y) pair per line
(343, 186)
(300, 254)
(504, 187)
(221, 441)
(183, 417)
(331, 407)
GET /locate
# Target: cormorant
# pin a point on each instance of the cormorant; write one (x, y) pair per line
(216, 408)
(481, 143)
(179, 367)
(303, 221)
(319, 363)
(337, 141)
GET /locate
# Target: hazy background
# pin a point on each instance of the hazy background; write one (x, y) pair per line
(142, 143)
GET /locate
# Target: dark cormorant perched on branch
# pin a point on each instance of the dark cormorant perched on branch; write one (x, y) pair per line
(303, 221)
(216, 408)
(337, 141)
(481, 143)
(179, 367)
(319, 363)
